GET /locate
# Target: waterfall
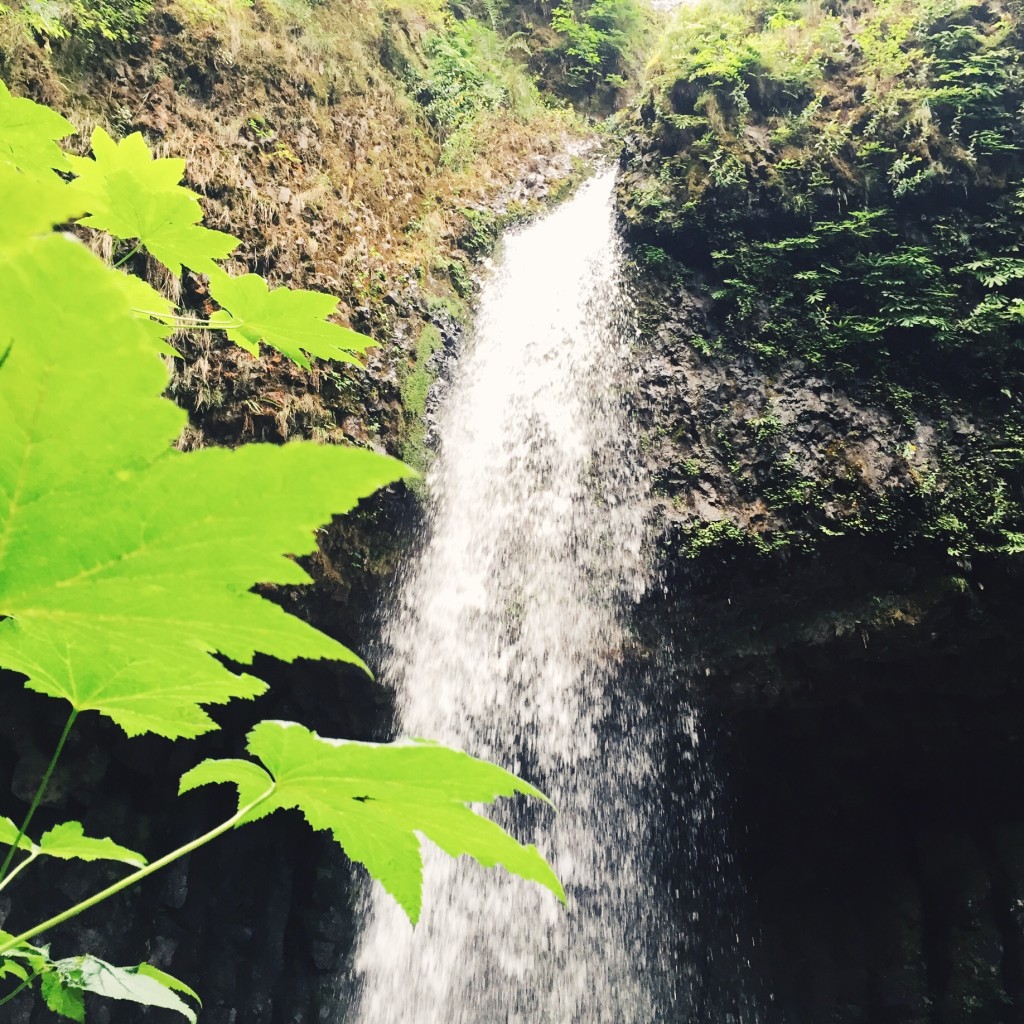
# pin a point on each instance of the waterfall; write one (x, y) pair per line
(508, 640)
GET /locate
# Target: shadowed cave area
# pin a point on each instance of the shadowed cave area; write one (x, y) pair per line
(869, 779)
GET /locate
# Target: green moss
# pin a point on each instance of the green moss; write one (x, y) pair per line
(448, 304)
(846, 191)
(415, 385)
(724, 535)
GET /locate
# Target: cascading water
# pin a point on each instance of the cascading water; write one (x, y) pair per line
(507, 640)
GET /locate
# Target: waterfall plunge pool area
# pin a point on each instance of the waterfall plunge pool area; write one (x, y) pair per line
(510, 637)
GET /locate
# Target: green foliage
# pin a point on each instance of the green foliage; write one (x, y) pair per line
(852, 289)
(62, 994)
(721, 533)
(63, 983)
(596, 33)
(111, 20)
(652, 256)
(470, 78)
(68, 842)
(415, 386)
(887, 100)
(601, 44)
(29, 134)
(67, 980)
(132, 194)
(376, 799)
(711, 46)
(838, 176)
(127, 567)
(292, 321)
(847, 183)
(93, 23)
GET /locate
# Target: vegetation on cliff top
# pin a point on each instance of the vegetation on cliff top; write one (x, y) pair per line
(845, 184)
(350, 144)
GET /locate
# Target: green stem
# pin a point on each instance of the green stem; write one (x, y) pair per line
(17, 870)
(137, 876)
(21, 988)
(131, 252)
(189, 323)
(39, 794)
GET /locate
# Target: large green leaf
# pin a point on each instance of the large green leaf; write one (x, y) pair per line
(9, 835)
(143, 985)
(29, 133)
(132, 194)
(64, 984)
(63, 996)
(125, 565)
(377, 799)
(32, 205)
(68, 841)
(292, 321)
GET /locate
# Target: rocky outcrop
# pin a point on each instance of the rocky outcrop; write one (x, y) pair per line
(837, 496)
(838, 337)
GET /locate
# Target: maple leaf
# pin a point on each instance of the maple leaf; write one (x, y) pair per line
(132, 194)
(64, 983)
(125, 565)
(377, 798)
(29, 134)
(289, 319)
(68, 841)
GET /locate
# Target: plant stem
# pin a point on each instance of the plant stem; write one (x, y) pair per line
(136, 876)
(131, 252)
(13, 874)
(44, 782)
(21, 988)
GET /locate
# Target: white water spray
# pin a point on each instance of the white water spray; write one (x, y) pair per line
(508, 641)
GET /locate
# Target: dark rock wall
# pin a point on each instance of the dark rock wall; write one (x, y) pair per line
(835, 491)
(862, 748)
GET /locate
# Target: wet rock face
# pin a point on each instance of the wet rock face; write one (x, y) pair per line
(768, 456)
(856, 679)
(863, 724)
(860, 698)
(862, 712)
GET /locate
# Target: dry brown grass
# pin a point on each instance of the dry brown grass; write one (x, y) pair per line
(308, 148)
